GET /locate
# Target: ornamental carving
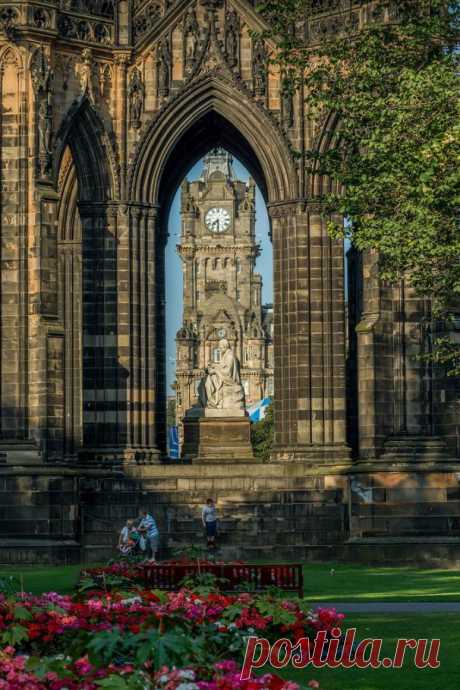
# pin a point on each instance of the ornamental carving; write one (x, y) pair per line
(64, 66)
(232, 38)
(146, 19)
(136, 98)
(164, 68)
(41, 18)
(9, 17)
(259, 67)
(101, 8)
(287, 103)
(191, 39)
(42, 76)
(84, 30)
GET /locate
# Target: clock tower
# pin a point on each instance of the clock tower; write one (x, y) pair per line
(221, 289)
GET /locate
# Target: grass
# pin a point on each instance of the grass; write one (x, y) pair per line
(360, 583)
(348, 583)
(390, 629)
(60, 579)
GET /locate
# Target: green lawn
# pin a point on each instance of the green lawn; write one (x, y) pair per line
(348, 583)
(60, 579)
(362, 583)
(390, 629)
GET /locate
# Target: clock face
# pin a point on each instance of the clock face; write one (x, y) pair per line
(217, 220)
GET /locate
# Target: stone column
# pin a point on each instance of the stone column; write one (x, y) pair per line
(309, 337)
(374, 358)
(146, 414)
(15, 305)
(395, 407)
(119, 333)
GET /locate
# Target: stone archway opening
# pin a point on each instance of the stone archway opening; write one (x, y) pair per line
(231, 258)
(218, 284)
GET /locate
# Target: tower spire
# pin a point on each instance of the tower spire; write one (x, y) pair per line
(218, 160)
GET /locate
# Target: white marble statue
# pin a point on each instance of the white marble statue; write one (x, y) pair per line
(221, 388)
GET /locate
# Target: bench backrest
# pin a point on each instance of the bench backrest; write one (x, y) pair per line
(260, 577)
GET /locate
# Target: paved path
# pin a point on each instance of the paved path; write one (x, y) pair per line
(412, 607)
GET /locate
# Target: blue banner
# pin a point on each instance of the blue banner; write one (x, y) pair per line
(173, 443)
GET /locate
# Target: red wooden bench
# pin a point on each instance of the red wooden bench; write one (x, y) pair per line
(289, 578)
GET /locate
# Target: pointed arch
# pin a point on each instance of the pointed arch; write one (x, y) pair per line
(328, 136)
(84, 132)
(207, 112)
(9, 55)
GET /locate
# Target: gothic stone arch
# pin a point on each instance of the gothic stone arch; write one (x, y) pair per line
(114, 109)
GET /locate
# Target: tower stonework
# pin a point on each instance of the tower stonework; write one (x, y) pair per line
(105, 106)
(222, 292)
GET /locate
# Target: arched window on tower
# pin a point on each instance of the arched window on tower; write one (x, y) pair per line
(216, 355)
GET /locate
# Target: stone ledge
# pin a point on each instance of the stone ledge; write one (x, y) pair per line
(370, 541)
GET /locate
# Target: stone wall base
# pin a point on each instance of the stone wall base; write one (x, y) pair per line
(270, 511)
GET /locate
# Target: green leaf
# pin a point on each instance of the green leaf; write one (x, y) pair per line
(14, 635)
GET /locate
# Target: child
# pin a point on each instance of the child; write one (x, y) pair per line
(209, 517)
(126, 542)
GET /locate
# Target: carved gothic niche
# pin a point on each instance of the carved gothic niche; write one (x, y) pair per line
(64, 67)
(232, 38)
(40, 18)
(164, 65)
(101, 8)
(191, 39)
(9, 18)
(259, 67)
(136, 98)
(42, 76)
(106, 83)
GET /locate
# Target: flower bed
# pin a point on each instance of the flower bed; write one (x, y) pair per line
(126, 637)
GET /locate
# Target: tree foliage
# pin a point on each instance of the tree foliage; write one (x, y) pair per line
(262, 435)
(389, 94)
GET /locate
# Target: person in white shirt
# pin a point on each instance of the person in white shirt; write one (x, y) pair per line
(209, 518)
(125, 541)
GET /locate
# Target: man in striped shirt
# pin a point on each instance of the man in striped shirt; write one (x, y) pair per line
(148, 527)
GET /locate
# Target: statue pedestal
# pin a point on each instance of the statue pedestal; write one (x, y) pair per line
(217, 439)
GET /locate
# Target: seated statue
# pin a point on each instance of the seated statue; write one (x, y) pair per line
(221, 389)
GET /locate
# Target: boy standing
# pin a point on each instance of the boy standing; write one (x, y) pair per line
(209, 518)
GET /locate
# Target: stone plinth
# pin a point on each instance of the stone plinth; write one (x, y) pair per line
(217, 439)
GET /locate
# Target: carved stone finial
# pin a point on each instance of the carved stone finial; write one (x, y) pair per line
(87, 73)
